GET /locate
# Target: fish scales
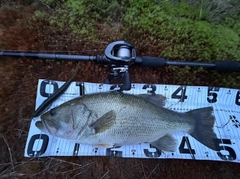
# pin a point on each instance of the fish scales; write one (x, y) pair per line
(116, 119)
(136, 120)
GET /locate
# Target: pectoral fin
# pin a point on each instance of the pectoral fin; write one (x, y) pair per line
(104, 122)
(166, 143)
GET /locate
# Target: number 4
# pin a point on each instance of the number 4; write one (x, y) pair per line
(183, 95)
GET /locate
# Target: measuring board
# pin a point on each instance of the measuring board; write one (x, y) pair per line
(226, 109)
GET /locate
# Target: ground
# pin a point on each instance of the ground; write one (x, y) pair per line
(19, 77)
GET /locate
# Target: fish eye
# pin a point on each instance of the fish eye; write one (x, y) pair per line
(53, 111)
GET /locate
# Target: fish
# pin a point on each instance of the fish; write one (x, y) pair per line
(110, 119)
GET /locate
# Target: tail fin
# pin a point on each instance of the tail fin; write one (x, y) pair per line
(203, 129)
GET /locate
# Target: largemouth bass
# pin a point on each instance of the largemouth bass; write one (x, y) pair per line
(115, 119)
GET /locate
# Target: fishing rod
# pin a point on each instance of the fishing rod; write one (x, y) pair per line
(120, 55)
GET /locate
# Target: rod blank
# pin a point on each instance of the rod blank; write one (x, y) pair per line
(48, 56)
(145, 61)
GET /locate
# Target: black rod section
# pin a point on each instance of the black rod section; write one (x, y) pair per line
(145, 61)
(191, 64)
(226, 66)
(48, 56)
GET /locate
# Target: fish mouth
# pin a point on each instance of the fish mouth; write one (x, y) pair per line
(47, 126)
(40, 125)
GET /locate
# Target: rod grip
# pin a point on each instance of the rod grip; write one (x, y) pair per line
(227, 66)
(148, 61)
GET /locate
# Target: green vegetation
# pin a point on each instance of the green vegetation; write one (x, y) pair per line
(80, 16)
(188, 30)
(181, 28)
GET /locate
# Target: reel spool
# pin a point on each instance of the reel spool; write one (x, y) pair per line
(120, 55)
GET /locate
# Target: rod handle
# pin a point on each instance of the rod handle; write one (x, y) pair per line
(148, 61)
(227, 66)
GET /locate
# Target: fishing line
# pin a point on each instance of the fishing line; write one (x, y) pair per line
(46, 103)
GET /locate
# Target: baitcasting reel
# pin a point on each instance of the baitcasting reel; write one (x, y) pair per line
(120, 55)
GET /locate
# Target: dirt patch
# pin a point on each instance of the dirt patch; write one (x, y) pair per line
(19, 77)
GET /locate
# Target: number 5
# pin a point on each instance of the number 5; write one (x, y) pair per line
(212, 97)
(231, 153)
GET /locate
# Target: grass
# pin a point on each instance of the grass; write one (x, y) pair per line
(26, 27)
